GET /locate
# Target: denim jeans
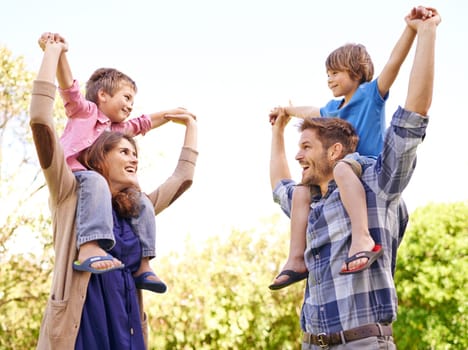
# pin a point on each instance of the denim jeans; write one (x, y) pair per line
(94, 215)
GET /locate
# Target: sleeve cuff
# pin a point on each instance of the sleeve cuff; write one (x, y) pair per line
(44, 88)
(189, 154)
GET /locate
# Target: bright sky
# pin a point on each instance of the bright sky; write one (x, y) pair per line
(230, 62)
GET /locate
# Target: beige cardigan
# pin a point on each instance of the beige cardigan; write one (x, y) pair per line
(62, 316)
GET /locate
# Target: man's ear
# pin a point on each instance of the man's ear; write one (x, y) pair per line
(335, 151)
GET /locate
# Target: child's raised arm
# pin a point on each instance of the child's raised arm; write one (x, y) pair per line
(397, 57)
(64, 74)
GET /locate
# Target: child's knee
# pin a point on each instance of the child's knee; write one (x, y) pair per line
(346, 168)
(96, 182)
(301, 194)
(341, 170)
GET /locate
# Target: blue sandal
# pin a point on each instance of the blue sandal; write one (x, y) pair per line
(86, 265)
(142, 282)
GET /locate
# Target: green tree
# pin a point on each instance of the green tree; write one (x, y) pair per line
(218, 296)
(24, 274)
(432, 279)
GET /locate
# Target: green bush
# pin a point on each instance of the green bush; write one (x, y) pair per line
(218, 297)
(432, 279)
(24, 286)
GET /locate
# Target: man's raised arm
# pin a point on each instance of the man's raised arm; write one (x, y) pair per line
(419, 97)
(279, 168)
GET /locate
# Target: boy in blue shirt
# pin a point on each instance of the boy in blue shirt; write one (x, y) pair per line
(350, 72)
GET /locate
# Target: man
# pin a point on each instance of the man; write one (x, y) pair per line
(355, 311)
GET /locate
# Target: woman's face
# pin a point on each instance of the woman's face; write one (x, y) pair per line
(122, 163)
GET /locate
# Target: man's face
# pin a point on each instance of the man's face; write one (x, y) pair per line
(317, 167)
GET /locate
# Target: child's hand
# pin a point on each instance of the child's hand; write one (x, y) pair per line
(421, 12)
(279, 118)
(55, 37)
(275, 113)
(178, 110)
(181, 118)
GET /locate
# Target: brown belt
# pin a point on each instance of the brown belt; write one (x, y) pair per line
(370, 330)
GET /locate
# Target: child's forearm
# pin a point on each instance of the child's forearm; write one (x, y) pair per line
(302, 111)
(396, 59)
(64, 74)
(157, 119)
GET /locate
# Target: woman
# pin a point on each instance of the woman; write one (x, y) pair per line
(100, 311)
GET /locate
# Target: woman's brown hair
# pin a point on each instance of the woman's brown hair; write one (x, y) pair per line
(125, 202)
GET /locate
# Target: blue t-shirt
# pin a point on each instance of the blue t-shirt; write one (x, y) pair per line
(366, 112)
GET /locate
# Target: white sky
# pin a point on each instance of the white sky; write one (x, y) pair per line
(230, 62)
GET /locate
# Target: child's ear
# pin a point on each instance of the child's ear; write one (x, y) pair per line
(102, 96)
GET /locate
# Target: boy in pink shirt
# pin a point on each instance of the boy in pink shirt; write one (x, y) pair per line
(106, 106)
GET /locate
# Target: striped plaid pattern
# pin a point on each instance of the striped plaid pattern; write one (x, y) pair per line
(335, 302)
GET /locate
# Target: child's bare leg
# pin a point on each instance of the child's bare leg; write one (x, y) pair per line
(354, 200)
(299, 218)
(146, 267)
(92, 248)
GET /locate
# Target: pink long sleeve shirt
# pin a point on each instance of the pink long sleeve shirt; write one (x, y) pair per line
(86, 122)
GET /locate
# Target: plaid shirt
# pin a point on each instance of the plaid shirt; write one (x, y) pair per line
(335, 302)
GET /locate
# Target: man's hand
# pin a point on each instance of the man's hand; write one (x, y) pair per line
(280, 118)
(421, 12)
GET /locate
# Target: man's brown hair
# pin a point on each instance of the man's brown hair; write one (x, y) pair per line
(333, 130)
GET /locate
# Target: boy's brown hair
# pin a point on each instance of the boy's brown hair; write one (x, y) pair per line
(354, 59)
(107, 79)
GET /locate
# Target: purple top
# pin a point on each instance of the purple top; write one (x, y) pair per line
(111, 315)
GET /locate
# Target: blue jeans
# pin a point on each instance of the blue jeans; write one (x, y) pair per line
(94, 215)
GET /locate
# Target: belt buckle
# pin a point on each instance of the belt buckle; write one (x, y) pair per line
(322, 340)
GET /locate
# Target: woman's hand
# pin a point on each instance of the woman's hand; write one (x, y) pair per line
(49, 37)
(181, 118)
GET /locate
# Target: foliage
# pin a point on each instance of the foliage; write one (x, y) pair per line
(24, 290)
(24, 275)
(218, 297)
(431, 279)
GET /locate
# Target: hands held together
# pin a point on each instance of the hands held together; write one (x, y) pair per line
(52, 39)
(422, 14)
(180, 116)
